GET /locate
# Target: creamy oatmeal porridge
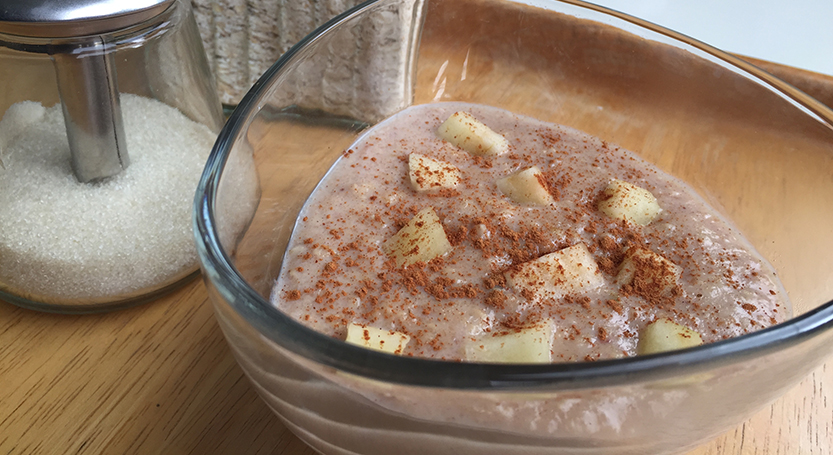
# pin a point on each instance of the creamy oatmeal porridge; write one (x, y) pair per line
(465, 232)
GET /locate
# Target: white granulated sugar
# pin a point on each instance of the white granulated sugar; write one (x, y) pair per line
(64, 239)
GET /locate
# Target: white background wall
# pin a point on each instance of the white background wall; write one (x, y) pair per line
(793, 32)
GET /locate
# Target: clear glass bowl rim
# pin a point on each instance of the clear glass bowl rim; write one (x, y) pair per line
(329, 352)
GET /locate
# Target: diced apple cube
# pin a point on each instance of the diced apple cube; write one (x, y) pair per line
(666, 335)
(466, 132)
(429, 174)
(555, 275)
(629, 202)
(655, 272)
(530, 345)
(526, 187)
(389, 341)
(422, 239)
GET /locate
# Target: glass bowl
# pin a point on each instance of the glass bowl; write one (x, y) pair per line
(757, 149)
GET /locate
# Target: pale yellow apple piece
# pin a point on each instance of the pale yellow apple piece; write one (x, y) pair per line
(629, 202)
(422, 239)
(666, 335)
(554, 275)
(389, 341)
(652, 269)
(429, 174)
(526, 187)
(530, 345)
(466, 132)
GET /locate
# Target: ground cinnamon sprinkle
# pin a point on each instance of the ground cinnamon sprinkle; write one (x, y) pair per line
(414, 277)
(607, 266)
(362, 292)
(457, 235)
(550, 138)
(438, 290)
(581, 300)
(387, 285)
(466, 289)
(654, 281)
(590, 228)
(331, 267)
(444, 193)
(293, 295)
(436, 264)
(608, 243)
(496, 299)
(495, 280)
(514, 323)
(556, 182)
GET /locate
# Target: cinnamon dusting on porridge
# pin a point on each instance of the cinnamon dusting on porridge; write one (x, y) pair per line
(465, 232)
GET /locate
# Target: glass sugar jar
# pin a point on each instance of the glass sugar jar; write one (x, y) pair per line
(109, 112)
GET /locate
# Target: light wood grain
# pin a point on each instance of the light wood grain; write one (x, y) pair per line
(153, 379)
(160, 379)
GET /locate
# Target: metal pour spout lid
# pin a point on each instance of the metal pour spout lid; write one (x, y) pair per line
(74, 18)
(85, 69)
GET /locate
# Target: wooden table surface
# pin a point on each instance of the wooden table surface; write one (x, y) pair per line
(160, 379)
